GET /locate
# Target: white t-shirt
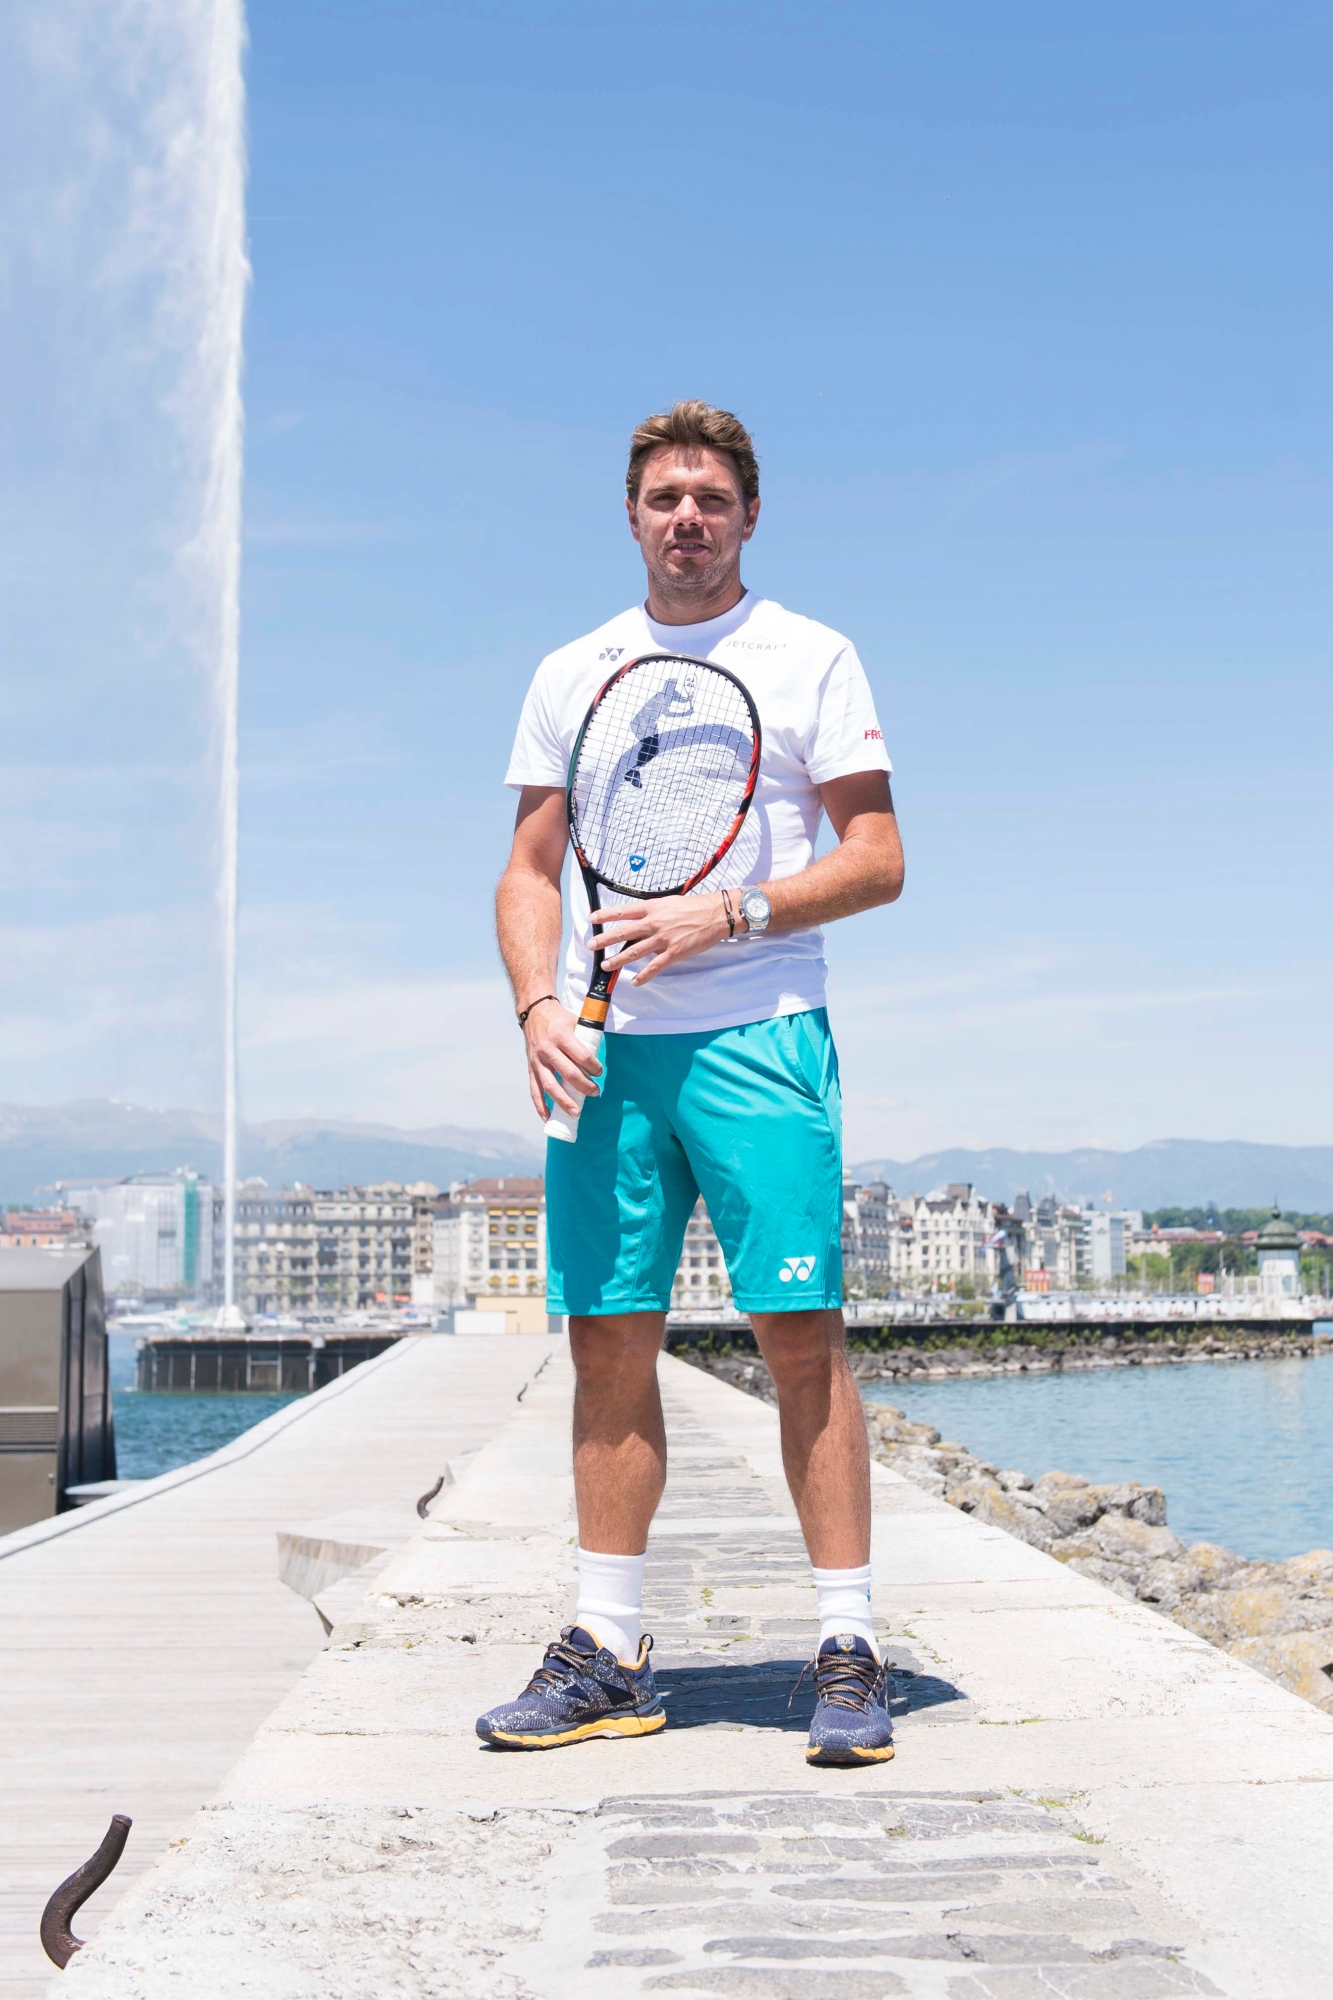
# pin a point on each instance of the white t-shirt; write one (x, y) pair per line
(818, 722)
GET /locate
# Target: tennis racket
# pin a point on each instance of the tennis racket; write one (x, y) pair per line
(660, 780)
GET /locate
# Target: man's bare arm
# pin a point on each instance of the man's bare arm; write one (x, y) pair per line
(528, 923)
(862, 871)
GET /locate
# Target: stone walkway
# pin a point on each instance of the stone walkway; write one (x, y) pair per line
(1087, 1802)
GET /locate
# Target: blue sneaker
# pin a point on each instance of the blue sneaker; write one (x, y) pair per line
(851, 1721)
(579, 1690)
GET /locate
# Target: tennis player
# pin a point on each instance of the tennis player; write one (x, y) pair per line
(718, 1076)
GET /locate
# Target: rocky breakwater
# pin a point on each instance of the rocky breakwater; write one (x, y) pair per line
(1276, 1616)
(982, 1348)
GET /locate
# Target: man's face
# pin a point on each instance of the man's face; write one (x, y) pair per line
(690, 519)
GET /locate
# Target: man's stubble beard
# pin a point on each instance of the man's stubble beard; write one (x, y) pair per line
(694, 583)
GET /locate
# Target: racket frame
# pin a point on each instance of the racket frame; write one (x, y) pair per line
(597, 1001)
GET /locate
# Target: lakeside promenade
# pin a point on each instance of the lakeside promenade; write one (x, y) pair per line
(1087, 1801)
(144, 1639)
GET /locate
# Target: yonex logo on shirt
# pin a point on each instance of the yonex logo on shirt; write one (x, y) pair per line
(799, 1268)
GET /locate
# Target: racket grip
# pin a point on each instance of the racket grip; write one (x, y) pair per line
(565, 1124)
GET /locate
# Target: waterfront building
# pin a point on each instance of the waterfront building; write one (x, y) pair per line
(701, 1276)
(1053, 1240)
(1278, 1248)
(155, 1232)
(1105, 1236)
(302, 1250)
(945, 1236)
(489, 1239)
(871, 1239)
(423, 1196)
(44, 1229)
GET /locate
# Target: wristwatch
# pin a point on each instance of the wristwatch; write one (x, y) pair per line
(756, 909)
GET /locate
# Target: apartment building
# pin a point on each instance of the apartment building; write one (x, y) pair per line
(489, 1239)
(301, 1250)
(944, 1236)
(701, 1276)
(872, 1238)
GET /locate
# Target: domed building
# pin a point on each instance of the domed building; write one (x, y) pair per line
(1279, 1251)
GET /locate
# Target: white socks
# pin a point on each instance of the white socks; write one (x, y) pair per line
(610, 1602)
(844, 1604)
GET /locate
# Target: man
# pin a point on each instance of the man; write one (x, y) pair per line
(717, 1076)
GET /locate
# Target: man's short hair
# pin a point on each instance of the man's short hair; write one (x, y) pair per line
(696, 426)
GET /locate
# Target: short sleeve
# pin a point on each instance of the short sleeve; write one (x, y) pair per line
(538, 756)
(846, 736)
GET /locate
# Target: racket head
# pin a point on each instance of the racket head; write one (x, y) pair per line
(662, 775)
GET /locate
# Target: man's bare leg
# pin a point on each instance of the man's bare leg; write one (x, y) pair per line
(824, 1450)
(597, 1679)
(620, 1453)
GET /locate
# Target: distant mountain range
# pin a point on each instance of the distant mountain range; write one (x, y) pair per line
(1169, 1173)
(99, 1139)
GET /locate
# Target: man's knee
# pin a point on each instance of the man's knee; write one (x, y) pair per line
(802, 1350)
(607, 1347)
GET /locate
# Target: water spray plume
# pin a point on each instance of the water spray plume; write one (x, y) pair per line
(220, 538)
(123, 279)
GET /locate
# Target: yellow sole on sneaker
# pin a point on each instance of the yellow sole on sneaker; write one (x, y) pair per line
(611, 1725)
(880, 1756)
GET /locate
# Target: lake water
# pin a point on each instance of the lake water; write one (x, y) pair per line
(156, 1433)
(1243, 1450)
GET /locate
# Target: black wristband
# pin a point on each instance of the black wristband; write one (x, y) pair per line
(728, 913)
(523, 1017)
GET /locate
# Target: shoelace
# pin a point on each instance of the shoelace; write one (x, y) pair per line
(557, 1655)
(561, 1654)
(843, 1680)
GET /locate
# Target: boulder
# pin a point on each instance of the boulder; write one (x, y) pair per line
(1300, 1661)
(986, 1500)
(1255, 1611)
(1214, 1563)
(1119, 1539)
(1166, 1582)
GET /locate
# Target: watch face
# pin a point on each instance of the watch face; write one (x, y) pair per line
(756, 908)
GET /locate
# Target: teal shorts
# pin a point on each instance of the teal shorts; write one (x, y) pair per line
(751, 1119)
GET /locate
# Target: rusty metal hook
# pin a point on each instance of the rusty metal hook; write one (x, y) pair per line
(423, 1504)
(58, 1941)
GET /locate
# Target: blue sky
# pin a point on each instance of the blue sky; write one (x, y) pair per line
(1029, 314)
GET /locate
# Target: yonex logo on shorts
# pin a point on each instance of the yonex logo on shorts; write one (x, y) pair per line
(799, 1268)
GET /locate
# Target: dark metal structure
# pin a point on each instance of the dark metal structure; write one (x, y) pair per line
(260, 1363)
(58, 1940)
(56, 1428)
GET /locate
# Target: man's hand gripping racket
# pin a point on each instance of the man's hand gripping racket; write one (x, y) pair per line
(660, 780)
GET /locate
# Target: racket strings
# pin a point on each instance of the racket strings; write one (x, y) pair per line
(662, 772)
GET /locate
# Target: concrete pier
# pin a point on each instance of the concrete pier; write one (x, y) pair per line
(1087, 1801)
(144, 1639)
